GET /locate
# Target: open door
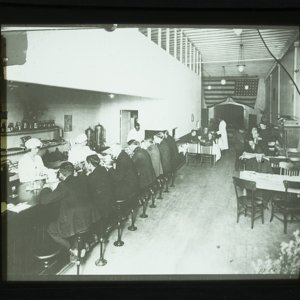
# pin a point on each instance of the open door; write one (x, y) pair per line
(127, 119)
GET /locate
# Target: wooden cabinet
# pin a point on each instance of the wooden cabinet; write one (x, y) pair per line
(289, 136)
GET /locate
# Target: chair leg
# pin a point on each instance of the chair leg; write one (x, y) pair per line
(101, 261)
(262, 214)
(252, 217)
(144, 215)
(238, 213)
(245, 211)
(132, 227)
(285, 222)
(272, 212)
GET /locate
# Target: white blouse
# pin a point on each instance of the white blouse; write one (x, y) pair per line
(30, 170)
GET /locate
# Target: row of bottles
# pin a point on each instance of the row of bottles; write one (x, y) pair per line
(25, 125)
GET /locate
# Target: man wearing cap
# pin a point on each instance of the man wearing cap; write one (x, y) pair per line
(173, 146)
(31, 166)
(79, 153)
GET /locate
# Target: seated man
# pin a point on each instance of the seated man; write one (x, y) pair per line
(264, 137)
(143, 164)
(260, 165)
(165, 152)
(174, 149)
(100, 186)
(250, 147)
(203, 134)
(238, 140)
(155, 156)
(124, 176)
(193, 137)
(77, 213)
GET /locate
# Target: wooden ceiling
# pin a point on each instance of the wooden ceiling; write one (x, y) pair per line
(220, 47)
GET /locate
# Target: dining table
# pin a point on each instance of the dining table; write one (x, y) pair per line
(271, 182)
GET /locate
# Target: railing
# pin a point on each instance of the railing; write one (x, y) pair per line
(177, 44)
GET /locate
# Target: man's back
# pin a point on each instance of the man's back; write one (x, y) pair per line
(143, 165)
(165, 154)
(156, 160)
(124, 177)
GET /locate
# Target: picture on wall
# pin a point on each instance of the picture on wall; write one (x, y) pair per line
(68, 123)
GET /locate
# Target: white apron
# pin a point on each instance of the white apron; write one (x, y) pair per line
(223, 141)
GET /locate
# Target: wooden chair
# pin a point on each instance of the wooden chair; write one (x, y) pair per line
(247, 202)
(192, 153)
(271, 148)
(206, 155)
(292, 153)
(288, 169)
(289, 205)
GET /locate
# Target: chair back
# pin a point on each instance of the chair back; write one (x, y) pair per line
(244, 185)
(287, 169)
(192, 147)
(205, 149)
(292, 152)
(290, 185)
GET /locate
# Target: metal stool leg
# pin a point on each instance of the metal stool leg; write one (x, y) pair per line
(172, 180)
(78, 261)
(119, 242)
(153, 199)
(160, 186)
(101, 261)
(167, 185)
(132, 227)
(143, 215)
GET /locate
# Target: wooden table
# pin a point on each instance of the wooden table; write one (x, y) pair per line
(271, 182)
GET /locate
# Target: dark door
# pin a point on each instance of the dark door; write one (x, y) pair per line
(232, 114)
(204, 117)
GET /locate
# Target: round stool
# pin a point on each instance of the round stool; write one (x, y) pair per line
(45, 252)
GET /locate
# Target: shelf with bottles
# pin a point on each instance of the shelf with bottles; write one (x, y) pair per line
(37, 130)
(24, 126)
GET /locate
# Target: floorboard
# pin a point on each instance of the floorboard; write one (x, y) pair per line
(193, 230)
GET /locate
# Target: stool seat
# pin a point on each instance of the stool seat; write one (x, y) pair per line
(46, 250)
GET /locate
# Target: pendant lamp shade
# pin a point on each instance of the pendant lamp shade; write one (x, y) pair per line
(241, 62)
(223, 81)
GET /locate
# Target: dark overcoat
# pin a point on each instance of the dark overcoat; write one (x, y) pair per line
(100, 187)
(156, 160)
(143, 166)
(125, 180)
(165, 155)
(77, 212)
(174, 149)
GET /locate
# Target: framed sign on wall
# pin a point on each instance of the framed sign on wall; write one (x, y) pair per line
(68, 123)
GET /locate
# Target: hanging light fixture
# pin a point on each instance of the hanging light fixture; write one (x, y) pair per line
(209, 87)
(223, 81)
(241, 62)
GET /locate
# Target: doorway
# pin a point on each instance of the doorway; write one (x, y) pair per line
(128, 118)
(232, 114)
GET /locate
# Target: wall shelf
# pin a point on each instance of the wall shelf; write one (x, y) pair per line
(11, 153)
(23, 132)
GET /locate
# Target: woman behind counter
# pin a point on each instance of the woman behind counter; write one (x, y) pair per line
(31, 166)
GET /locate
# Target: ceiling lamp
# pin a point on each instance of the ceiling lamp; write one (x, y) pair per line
(246, 87)
(111, 96)
(223, 81)
(237, 31)
(209, 87)
(241, 62)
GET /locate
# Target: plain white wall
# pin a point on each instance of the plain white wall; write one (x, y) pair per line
(120, 62)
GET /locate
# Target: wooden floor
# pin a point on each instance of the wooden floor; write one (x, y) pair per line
(193, 230)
